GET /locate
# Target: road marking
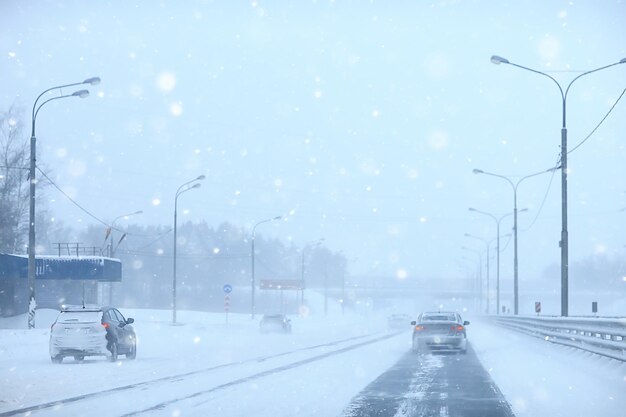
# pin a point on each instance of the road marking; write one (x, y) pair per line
(178, 377)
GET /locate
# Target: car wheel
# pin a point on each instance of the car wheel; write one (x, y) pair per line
(79, 358)
(113, 349)
(57, 359)
(132, 353)
(415, 348)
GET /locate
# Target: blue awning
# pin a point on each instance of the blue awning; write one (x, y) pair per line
(94, 268)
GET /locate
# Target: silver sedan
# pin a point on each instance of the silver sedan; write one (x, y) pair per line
(439, 331)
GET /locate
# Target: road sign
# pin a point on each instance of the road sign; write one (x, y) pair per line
(537, 307)
(281, 284)
(228, 288)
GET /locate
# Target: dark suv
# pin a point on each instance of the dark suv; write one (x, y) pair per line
(81, 331)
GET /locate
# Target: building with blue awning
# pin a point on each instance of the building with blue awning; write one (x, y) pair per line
(58, 280)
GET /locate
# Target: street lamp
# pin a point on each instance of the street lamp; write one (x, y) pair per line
(317, 243)
(480, 274)
(31, 196)
(112, 227)
(497, 220)
(180, 191)
(112, 247)
(252, 256)
(564, 232)
(487, 244)
(343, 286)
(515, 260)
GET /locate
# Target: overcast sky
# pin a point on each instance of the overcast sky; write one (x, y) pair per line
(359, 122)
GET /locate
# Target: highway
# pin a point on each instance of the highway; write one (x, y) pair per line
(349, 368)
(439, 384)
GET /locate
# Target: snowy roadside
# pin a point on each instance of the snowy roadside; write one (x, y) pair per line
(201, 340)
(539, 378)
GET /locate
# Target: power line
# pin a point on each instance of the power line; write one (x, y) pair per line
(545, 197)
(598, 125)
(93, 216)
(74, 202)
(570, 151)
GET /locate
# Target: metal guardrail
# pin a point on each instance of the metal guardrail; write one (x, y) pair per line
(602, 336)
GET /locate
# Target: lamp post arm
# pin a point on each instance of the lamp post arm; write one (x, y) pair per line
(544, 74)
(564, 94)
(587, 73)
(532, 175)
(484, 213)
(36, 110)
(258, 224)
(500, 176)
(580, 76)
(179, 192)
(50, 89)
(502, 217)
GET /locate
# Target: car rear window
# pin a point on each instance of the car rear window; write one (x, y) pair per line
(440, 317)
(80, 317)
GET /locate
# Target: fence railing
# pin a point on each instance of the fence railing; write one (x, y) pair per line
(602, 336)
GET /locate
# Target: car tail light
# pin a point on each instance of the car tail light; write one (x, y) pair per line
(458, 329)
(419, 328)
(105, 325)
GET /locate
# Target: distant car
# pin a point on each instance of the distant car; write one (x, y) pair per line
(81, 331)
(275, 323)
(439, 331)
(398, 321)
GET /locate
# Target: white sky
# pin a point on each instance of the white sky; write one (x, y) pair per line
(360, 123)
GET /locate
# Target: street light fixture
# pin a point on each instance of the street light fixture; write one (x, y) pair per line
(497, 220)
(252, 281)
(180, 191)
(564, 243)
(480, 274)
(317, 243)
(487, 244)
(32, 178)
(112, 246)
(515, 259)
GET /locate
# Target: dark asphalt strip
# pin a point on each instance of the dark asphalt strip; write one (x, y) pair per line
(170, 378)
(441, 385)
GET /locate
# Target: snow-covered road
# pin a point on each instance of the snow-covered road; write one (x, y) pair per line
(206, 367)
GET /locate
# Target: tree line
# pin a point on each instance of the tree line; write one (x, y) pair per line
(208, 256)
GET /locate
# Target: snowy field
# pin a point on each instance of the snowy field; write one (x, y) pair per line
(207, 367)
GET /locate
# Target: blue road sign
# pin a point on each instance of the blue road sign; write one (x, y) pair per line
(228, 288)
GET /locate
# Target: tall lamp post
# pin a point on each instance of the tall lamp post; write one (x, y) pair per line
(252, 281)
(343, 287)
(487, 246)
(180, 191)
(112, 247)
(497, 220)
(32, 178)
(515, 259)
(480, 274)
(564, 232)
(317, 243)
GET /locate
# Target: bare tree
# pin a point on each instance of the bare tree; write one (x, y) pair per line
(13, 181)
